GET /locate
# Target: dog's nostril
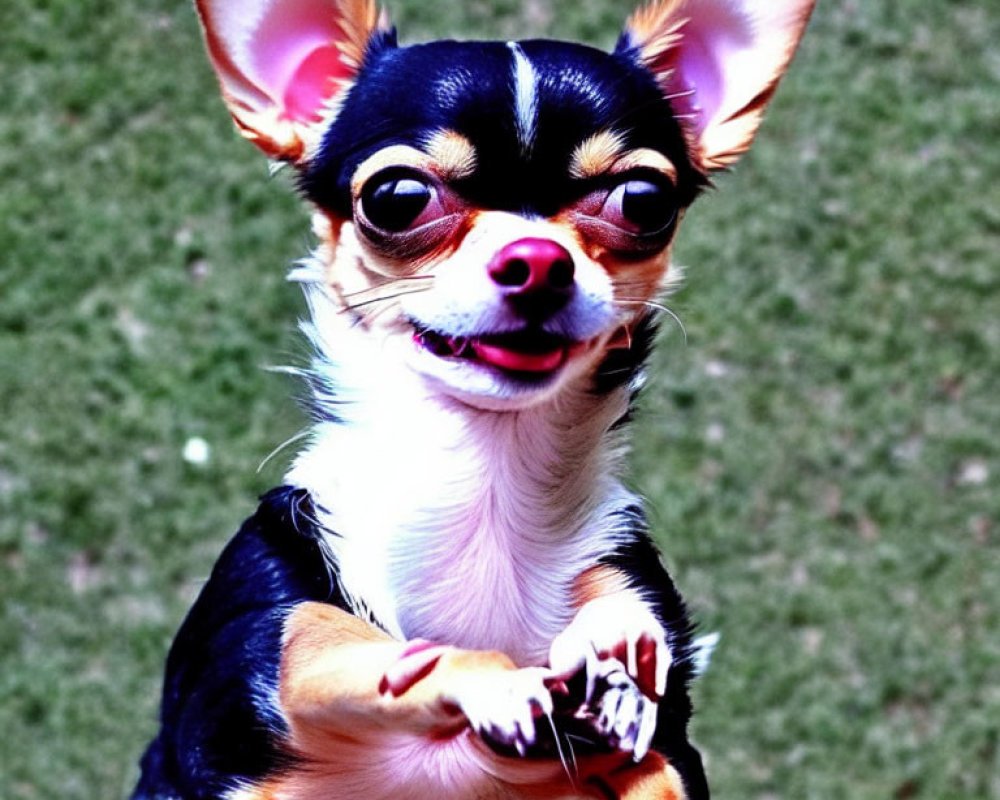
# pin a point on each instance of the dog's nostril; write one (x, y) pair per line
(561, 274)
(515, 272)
(532, 265)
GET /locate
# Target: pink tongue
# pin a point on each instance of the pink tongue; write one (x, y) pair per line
(519, 362)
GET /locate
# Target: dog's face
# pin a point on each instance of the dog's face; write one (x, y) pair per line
(519, 199)
(500, 213)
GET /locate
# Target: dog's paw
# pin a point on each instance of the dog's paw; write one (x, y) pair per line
(619, 627)
(622, 716)
(503, 708)
(499, 702)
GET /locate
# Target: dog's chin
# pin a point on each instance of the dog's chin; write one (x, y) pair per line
(501, 372)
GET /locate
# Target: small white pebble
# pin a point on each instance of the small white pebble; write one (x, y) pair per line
(974, 472)
(715, 433)
(197, 451)
(716, 369)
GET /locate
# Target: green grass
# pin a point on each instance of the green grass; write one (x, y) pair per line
(821, 457)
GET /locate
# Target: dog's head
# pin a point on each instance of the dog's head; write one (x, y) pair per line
(502, 213)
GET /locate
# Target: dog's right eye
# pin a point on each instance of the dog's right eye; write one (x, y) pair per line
(397, 202)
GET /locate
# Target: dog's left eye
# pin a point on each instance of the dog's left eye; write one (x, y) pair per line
(396, 202)
(640, 206)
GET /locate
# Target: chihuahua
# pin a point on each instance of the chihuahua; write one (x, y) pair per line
(454, 595)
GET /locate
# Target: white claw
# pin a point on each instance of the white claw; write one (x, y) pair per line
(663, 659)
(632, 653)
(647, 727)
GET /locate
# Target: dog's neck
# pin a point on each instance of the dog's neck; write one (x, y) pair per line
(432, 504)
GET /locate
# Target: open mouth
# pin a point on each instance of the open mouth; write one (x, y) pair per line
(529, 352)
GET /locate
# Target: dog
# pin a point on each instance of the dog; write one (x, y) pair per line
(453, 595)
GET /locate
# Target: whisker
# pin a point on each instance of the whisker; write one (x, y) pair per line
(675, 95)
(657, 307)
(568, 768)
(382, 285)
(363, 303)
(290, 440)
(644, 287)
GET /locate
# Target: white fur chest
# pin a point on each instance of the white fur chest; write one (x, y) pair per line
(460, 526)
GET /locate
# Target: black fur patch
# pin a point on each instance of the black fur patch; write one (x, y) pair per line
(219, 722)
(640, 559)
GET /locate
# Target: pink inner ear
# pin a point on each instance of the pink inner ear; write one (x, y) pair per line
(311, 84)
(295, 57)
(698, 86)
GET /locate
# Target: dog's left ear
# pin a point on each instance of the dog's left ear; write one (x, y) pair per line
(718, 62)
(282, 64)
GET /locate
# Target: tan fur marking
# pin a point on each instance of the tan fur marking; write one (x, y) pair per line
(655, 18)
(602, 154)
(342, 728)
(397, 155)
(453, 154)
(358, 19)
(331, 666)
(652, 779)
(598, 582)
(596, 155)
(449, 155)
(645, 158)
(636, 283)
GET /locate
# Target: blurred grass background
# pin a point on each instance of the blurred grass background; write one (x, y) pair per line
(821, 457)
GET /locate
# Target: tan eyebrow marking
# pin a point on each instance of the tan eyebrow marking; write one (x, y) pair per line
(449, 156)
(646, 158)
(604, 154)
(596, 155)
(453, 154)
(396, 155)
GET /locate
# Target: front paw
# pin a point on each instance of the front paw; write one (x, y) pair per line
(620, 627)
(498, 701)
(602, 707)
(504, 709)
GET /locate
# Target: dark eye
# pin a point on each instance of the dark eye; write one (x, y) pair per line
(640, 206)
(396, 202)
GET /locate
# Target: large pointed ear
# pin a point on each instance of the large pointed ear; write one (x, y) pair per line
(282, 64)
(718, 62)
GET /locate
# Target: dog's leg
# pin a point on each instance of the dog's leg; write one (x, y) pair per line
(622, 632)
(614, 621)
(343, 681)
(342, 677)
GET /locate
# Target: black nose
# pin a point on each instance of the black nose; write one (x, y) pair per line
(535, 276)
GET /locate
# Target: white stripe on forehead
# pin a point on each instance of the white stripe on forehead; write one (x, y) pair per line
(525, 97)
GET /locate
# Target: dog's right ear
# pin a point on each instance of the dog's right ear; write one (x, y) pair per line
(718, 62)
(283, 64)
